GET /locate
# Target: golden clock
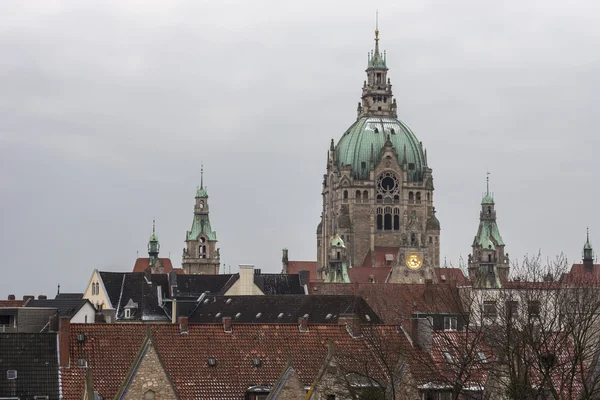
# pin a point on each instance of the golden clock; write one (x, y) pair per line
(414, 261)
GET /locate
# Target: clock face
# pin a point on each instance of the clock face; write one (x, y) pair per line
(414, 261)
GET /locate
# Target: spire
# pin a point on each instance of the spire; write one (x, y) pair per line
(377, 33)
(201, 191)
(153, 245)
(588, 254)
(488, 198)
(201, 176)
(375, 59)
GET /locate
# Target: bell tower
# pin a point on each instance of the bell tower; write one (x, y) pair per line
(488, 264)
(201, 255)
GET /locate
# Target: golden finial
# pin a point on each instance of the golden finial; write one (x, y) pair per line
(377, 25)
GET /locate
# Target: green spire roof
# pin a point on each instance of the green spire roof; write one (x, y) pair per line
(201, 191)
(375, 58)
(154, 236)
(488, 198)
(201, 225)
(587, 245)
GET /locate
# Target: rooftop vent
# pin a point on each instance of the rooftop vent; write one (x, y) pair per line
(11, 374)
(258, 315)
(305, 315)
(368, 318)
(443, 277)
(257, 362)
(81, 338)
(206, 301)
(280, 316)
(228, 301)
(212, 362)
(238, 315)
(328, 316)
(82, 363)
(218, 315)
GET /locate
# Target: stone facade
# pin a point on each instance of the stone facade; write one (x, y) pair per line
(149, 381)
(201, 255)
(378, 189)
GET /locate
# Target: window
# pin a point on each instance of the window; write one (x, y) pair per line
(11, 374)
(4, 319)
(358, 196)
(512, 309)
(379, 218)
(331, 397)
(345, 196)
(363, 165)
(365, 196)
(396, 222)
(533, 308)
(418, 198)
(82, 363)
(93, 288)
(201, 203)
(127, 313)
(450, 323)
(379, 198)
(430, 239)
(482, 357)
(396, 199)
(387, 219)
(149, 395)
(447, 356)
(489, 308)
(411, 198)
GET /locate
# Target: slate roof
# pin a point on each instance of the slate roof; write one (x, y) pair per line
(142, 263)
(65, 308)
(124, 286)
(271, 283)
(34, 357)
(110, 349)
(192, 286)
(397, 302)
(282, 309)
(69, 296)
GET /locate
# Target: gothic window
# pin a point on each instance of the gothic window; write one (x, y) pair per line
(413, 239)
(202, 249)
(489, 258)
(358, 196)
(365, 196)
(93, 288)
(428, 197)
(201, 203)
(489, 210)
(345, 196)
(379, 77)
(411, 198)
(396, 222)
(436, 240)
(430, 240)
(338, 255)
(379, 219)
(387, 219)
(393, 131)
(379, 198)
(396, 199)
(418, 198)
(363, 165)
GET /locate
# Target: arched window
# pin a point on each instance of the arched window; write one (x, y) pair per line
(396, 199)
(387, 219)
(379, 219)
(428, 197)
(413, 239)
(418, 197)
(358, 196)
(149, 395)
(202, 248)
(411, 198)
(201, 203)
(345, 196)
(379, 198)
(396, 222)
(365, 196)
(489, 258)
(489, 210)
(93, 288)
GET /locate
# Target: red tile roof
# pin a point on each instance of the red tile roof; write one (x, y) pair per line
(11, 303)
(578, 275)
(142, 263)
(384, 257)
(369, 274)
(453, 276)
(296, 266)
(110, 349)
(396, 302)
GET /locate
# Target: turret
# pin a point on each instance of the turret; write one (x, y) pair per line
(153, 244)
(588, 255)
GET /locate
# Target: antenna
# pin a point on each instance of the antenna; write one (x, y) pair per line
(202, 176)
(487, 178)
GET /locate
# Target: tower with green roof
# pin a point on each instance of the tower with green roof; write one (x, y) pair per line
(378, 188)
(201, 255)
(588, 254)
(488, 264)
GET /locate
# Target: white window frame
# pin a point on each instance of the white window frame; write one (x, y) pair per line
(450, 323)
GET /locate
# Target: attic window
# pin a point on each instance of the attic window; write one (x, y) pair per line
(367, 317)
(448, 356)
(377, 130)
(127, 313)
(11, 374)
(212, 362)
(393, 131)
(82, 363)
(257, 362)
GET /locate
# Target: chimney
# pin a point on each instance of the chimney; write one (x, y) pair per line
(183, 325)
(42, 297)
(174, 311)
(257, 271)
(303, 324)
(428, 292)
(227, 325)
(284, 261)
(27, 298)
(11, 297)
(422, 333)
(53, 323)
(173, 283)
(352, 322)
(64, 341)
(246, 279)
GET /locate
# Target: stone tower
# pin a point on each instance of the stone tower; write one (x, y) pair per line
(378, 189)
(337, 268)
(488, 265)
(201, 255)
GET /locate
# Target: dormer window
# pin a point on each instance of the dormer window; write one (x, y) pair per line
(127, 313)
(129, 309)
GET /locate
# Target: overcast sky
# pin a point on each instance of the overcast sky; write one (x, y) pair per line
(108, 109)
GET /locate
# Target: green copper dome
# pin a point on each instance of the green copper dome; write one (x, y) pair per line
(354, 148)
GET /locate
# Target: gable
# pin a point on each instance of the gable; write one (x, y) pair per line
(100, 299)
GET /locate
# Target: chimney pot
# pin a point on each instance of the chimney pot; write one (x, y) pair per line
(11, 297)
(183, 325)
(227, 324)
(26, 298)
(42, 297)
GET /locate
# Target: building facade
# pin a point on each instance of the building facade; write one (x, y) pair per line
(201, 255)
(378, 188)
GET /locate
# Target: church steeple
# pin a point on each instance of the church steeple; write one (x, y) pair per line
(488, 265)
(588, 254)
(153, 244)
(377, 98)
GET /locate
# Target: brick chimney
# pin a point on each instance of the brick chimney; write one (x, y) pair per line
(422, 333)
(53, 323)
(27, 298)
(284, 261)
(428, 292)
(246, 279)
(64, 341)
(11, 297)
(183, 325)
(42, 297)
(227, 325)
(352, 322)
(303, 324)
